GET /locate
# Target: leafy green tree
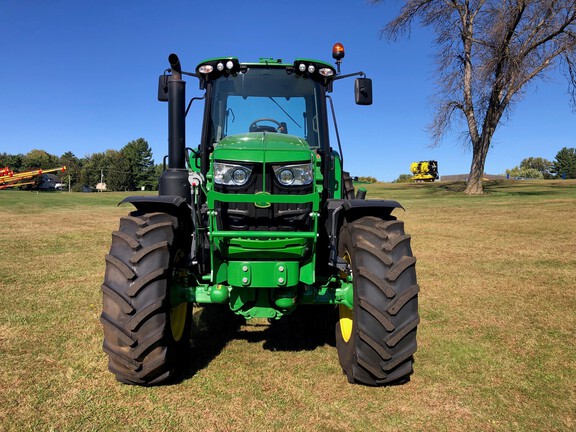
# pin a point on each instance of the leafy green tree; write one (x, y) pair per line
(530, 173)
(118, 173)
(367, 179)
(403, 178)
(537, 163)
(73, 167)
(14, 162)
(564, 166)
(93, 167)
(142, 172)
(39, 159)
(158, 170)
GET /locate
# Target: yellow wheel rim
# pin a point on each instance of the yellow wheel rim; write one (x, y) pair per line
(346, 321)
(178, 320)
(346, 314)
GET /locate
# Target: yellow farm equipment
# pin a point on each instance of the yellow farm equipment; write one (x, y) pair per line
(9, 178)
(424, 171)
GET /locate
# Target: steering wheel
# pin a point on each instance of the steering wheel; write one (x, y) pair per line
(255, 127)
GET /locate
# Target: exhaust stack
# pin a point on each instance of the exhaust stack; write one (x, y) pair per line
(174, 181)
(175, 66)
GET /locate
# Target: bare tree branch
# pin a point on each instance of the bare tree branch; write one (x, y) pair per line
(487, 52)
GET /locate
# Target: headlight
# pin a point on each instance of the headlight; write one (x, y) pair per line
(230, 174)
(294, 175)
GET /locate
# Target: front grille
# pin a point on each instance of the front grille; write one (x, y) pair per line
(277, 217)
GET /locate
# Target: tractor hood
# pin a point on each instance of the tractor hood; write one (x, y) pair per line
(263, 147)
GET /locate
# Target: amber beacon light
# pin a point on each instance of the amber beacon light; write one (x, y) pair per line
(338, 51)
(338, 54)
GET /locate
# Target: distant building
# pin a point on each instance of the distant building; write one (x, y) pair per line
(48, 182)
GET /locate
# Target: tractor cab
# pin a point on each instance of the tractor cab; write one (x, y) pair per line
(265, 97)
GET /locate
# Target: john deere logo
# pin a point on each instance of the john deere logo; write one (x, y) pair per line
(262, 204)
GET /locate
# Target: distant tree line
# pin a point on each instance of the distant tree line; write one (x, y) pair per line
(563, 166)
(532, 168)
(366, 179)
(403, 178)
(127, 169)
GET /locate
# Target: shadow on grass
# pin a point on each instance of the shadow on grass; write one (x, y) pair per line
(524, 188)
(212, 328)
(306, 329)
(496, 188)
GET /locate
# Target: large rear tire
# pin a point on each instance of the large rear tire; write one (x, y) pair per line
(143, 333)
(349, 192)
(376, 340)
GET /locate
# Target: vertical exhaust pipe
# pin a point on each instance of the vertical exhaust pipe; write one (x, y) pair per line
(175, 66)
(174, 181)
(176, 113)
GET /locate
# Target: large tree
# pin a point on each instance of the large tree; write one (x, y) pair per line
(93, 169)
(539, 164)
(118, 174)
(39, 159)
(487, 52)
(139, 156)
(14, 162)
(564, 166)
(73, 167)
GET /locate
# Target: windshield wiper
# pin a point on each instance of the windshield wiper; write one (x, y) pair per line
(284, 111)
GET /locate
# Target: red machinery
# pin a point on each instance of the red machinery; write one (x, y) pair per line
(9, 178)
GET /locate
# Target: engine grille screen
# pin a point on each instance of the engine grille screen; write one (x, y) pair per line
(271, 217)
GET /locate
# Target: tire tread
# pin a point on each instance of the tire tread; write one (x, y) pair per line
(135, 313)
(381, 348)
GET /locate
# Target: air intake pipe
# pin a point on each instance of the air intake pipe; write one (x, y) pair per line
(174, 181)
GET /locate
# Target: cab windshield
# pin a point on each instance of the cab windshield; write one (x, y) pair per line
(266, 100)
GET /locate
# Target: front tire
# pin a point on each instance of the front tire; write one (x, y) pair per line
(376, 340)
(143, 333)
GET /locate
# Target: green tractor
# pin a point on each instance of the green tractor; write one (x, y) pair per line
(259, 218)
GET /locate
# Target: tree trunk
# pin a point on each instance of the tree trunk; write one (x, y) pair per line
(474, 182)
(481, 145)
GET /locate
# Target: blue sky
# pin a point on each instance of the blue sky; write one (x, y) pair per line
(81, 76)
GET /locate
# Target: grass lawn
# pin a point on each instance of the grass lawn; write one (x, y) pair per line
(496, 342)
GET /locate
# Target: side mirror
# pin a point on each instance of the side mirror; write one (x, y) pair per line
(363, 91)
(163, 88)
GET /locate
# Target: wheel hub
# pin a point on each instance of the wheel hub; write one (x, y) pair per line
(178, 320)
(346, 314)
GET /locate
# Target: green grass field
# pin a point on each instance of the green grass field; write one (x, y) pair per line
(497, 349)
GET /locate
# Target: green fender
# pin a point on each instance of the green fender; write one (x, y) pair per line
(337, 210)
